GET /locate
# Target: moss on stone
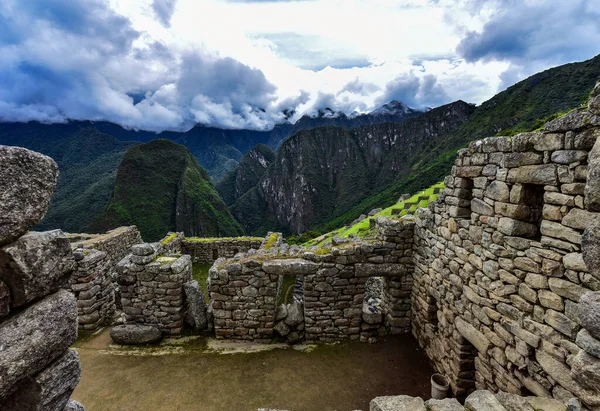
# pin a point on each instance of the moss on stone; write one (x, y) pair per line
(219, 239)
(168, 239)
(271, 240)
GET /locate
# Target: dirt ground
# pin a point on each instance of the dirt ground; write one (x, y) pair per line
(192, 377)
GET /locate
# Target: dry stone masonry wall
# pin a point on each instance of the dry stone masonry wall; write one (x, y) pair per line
(504, 263)
(208, 250)
(38, 320)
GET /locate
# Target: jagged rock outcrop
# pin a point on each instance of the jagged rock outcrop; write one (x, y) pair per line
(160, 188)
(27, 182)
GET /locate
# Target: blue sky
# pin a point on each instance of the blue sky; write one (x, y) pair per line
(168, 64)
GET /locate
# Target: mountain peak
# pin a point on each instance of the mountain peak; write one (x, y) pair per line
(394, 107)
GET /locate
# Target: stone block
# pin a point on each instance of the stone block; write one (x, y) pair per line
(589, 313)
(33, 338)
(481, 207)
(474, 336)
(27, 179)
(545, 174)
(575, 262)
(566, 289)
(585, 369)
(588, 343)
(134, 334)
(592, 187)
(568, 156)
(35, 265)
(397, 403)
(590, 249)
(294, 266)
(483, 400)
(516, 228)
(195, 306)
(447, 404)
(48, 390)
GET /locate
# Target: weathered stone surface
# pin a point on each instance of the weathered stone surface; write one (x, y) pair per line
(397, 403)
(513, 402)
(590, 249)
(546, 404)
(195, 306)
(589, 313)
(383, 270)
(538, 174)
(295, 314)
(143, 249)
(483, 400)
(592, 187)
(566, 289)
(448, 404)
(575, 262)
(508, 226)
(474, 336)
(580, 219)
(594, 102)
(27, 181)
(50, 389)
(4, 300)
(133, 334)
(34, 337)
(588, 343)
(293, 266)
(498, 190)
(35, 265)
(73, 405)
(481, 207)
(282, 328)
(585, 369)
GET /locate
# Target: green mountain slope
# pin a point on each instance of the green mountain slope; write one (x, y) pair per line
(160, 187)
(521, 107)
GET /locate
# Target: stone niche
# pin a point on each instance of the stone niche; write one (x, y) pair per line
(500, 265)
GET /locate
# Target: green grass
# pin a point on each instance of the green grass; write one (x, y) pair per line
(271, 241)
(200, 274)
(168, 239)
(362, 229)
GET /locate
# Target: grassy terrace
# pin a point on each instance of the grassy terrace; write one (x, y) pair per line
(362, 229)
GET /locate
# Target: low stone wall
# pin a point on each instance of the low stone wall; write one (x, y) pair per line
(244, 291)
(94, 289)
(152, 288)
(116, 243)
(208, 250)
(500, 264)
(38, 320)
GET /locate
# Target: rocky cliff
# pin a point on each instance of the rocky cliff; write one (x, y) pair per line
(160, 187)
(321, 173)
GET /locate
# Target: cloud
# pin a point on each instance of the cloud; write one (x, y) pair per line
(164, 9)
(415, 91)
(520, 32)
(358, 87)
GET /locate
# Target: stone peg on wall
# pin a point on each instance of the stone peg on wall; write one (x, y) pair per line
(27, 181)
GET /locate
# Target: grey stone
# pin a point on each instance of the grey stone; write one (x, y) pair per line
(474, 336)
(585, 369)
(34, 337)
(592, 187)
(546, 404)
(588, 343)
(580, 219)
(575, 262)
(481, 207)
(397, 403)
(589, 313)
(27, 181)
(590, 249)
(133, 334)
(195, 312)
(483, 400)
(568, 156)
(508, 226)
(295, 314)
(293, 266)
(448, 404)
(182, 263)
(594, 102)
(48, 390)
(35, 265)
(143, 249)
(73, 405)
(282, 328)
(513, 402)
(566, 288)
(379, 270)
(281, 312)
(538, 174)
(4, 300)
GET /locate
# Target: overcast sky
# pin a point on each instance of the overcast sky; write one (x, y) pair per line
(168, 64)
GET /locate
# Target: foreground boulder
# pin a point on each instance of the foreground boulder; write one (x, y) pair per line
(135, 334)
(27, 181)
(51, 388)
(33, 338)
(35, 265)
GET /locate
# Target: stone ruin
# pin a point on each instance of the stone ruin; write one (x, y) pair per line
(38, 320)
(498, 280)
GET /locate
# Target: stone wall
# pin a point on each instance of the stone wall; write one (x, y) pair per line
(152, 288)
(244, 291)
(116, 243)
(38, 320)
(208, 250)
(498, 263)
